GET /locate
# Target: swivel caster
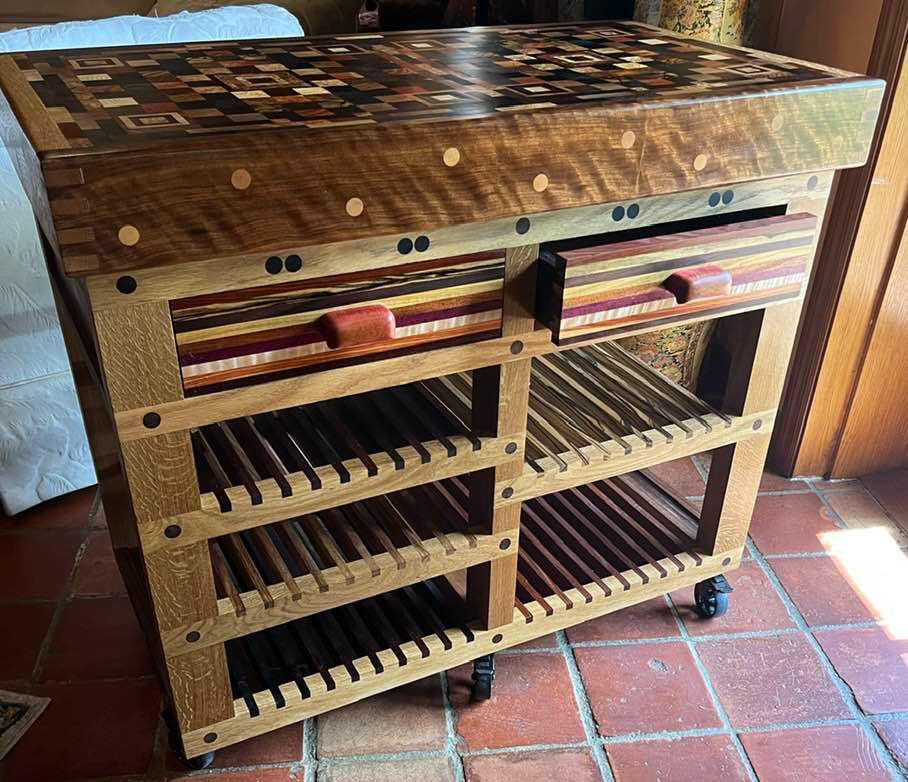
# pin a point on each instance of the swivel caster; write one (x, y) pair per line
(711, 597)
(176, 745)
(483, 676)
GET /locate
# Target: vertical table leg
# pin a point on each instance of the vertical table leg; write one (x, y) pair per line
(500, 400)
(763, 345)
(160, 471)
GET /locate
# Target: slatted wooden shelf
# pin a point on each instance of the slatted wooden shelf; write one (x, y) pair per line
(599, 411)
(322, 652)
(278, 572)
(584, 543)
(323, 454)
(583, 552)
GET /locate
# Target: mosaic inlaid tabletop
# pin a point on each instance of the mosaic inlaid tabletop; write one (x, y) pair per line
(103, 98)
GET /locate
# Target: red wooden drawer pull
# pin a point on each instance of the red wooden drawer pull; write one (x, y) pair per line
(699, 282)
(357, 326)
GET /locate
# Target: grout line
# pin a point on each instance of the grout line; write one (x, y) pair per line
(844, 689)
(310, 750)
(453, 738)
(527, 748)
(61, 601)
(714, 696)
(587, 718)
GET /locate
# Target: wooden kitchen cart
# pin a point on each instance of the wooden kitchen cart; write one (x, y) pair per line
(341, 314)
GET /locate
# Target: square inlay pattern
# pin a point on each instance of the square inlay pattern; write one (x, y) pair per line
(99, 101)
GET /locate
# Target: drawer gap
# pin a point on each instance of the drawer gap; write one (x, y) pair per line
(660, 229)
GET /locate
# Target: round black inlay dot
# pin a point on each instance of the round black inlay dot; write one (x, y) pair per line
(210, 738)
(813, 182)
(421, 244)
(151, 420)
(497, 638)
(127, 284)
(726, 561)
(505, 544)
(274, 265)
(192, 636)
(293, 263)
(757, 424)
(633, 210)
(510, 448)
(714, 199)
(404, 246)
(172, 531)
(507, 493)
(728, 196)
(618, 213)
(523, 225)
(516, 347)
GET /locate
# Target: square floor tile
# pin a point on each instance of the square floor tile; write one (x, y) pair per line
(891, 490)
(859, 510)
(650, 619)
(89, 730)
(873, 665)
(406, 719)
(700, 759)
(643, 688)
(754, 605)
(895, 736)
(821, 591)
(836, 752)
(97, 572)
(37, 566)
(27, 623)
(284, 745)
(681, 476)
(69, 511)
(532, 703)
(769, 481)
(549, 642)
(576, 765)
(767, 681)
(97, 639)
(790, 523)
(417, 770)
(259, 775)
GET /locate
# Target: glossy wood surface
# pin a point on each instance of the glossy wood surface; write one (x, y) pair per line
(602, 112)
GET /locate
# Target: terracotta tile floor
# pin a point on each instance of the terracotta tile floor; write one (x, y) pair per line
(805, 679)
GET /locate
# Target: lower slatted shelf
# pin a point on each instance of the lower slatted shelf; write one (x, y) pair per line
(583, 552)
(600, 539)
(321, 653)
(276, 572)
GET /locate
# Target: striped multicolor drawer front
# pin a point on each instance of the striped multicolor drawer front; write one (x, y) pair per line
(230, 337)
(667, 278)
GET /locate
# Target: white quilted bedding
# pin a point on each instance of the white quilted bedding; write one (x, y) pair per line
(43, 448)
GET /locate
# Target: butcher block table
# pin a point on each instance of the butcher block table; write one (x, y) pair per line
(341, 315)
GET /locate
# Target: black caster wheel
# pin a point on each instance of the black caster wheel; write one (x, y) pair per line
(176, 745)
(711, 597)
(483, 676)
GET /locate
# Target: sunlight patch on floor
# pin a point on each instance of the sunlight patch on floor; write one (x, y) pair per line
(877, 569)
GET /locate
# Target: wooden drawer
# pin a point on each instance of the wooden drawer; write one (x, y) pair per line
(671, 277)
(237, 337)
